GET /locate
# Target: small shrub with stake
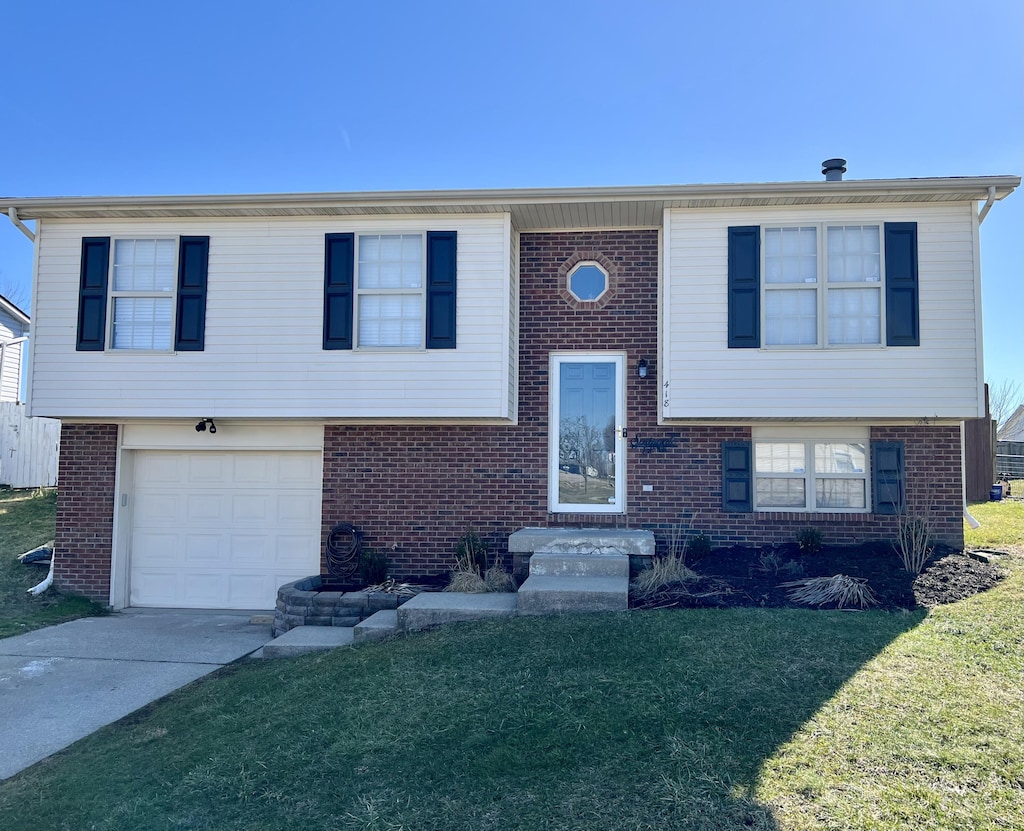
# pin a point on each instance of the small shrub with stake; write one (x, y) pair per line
(913, 541)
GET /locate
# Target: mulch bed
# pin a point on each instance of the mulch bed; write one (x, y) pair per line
(742, 576)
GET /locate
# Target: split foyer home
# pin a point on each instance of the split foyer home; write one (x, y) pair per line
(237, 374)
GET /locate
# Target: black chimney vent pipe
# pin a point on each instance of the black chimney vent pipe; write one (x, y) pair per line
(833, 169)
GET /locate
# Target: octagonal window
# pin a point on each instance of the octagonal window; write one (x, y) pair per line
(588, 281)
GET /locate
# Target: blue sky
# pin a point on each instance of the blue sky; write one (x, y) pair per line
(224, 96)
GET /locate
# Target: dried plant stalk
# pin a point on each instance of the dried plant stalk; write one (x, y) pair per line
(844, 591)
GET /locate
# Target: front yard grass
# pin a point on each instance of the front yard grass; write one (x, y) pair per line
(718, 720)
(26, 521)
(698, 719)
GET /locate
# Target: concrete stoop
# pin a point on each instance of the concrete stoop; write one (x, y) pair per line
(563, 578)
(378, 626)
(565, 582)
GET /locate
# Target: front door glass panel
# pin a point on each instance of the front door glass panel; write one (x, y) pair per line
(587, 434)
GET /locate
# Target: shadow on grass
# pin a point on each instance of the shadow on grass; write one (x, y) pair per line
(643, 720)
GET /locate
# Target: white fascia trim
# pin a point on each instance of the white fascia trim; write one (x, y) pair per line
(969, 187)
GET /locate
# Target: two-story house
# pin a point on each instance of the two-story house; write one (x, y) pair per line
(236, 374)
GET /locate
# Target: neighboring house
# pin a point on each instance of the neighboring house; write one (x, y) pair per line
(236, 374)
(1013, 427)
(14, 326)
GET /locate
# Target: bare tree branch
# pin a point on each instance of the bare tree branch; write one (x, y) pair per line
(1004, 399)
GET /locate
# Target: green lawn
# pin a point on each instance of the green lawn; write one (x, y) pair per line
(702, 719)
(27, 521)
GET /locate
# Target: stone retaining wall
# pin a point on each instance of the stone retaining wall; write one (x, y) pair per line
(301, 603)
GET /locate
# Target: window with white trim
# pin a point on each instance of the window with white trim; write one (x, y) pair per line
(821, 474)
(390, 290)
(144, 278)
(823, 294)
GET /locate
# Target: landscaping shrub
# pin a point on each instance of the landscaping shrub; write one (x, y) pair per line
(913, 542)
(698, 546)
(809, 541)
(373, 566)
(471, 553)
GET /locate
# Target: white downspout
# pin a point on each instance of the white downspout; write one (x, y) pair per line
(971, 521)
(21, 226)
(984, 208)
(48, 581)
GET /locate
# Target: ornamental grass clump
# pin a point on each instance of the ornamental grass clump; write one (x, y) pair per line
(843, 591)
(665, 572)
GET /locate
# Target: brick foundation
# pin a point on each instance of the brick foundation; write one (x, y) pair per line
(85, 509)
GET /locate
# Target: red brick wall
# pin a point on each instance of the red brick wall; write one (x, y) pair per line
(414, 489)
(85, 509)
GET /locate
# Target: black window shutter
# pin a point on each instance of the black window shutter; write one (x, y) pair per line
(193, 266)
(92, 294)
(744, 287)
(902, 295)
(441, 258)
(339, 266)
(737, 477)
(888, 477)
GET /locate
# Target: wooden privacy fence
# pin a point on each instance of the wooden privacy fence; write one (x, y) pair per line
(28, 448)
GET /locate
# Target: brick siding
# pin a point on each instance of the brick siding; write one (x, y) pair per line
(85, 509)
(414, 489)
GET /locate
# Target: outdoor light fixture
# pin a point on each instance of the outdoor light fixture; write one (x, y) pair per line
(201, 426)
(641, 370)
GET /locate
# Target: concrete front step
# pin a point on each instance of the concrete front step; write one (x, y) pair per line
(431, 609)
(560, 564)
(303, 639)
(583, 541)
(544, 595)
(379, 625)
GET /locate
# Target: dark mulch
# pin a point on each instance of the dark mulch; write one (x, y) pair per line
(742, 576)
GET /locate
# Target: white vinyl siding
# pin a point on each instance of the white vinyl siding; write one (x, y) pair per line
(263, 354)
(703, 379)
(11, 355)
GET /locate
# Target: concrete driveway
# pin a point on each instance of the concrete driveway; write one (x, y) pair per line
(62, 683)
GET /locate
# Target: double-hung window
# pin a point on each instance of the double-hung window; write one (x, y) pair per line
(820, 474)
(142, 293)
(823, 285)
(390, 281)
(390, 290)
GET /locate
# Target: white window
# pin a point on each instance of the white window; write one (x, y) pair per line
(142, 296)
(587, 281)
(831, 297)
(819, 474)
(390, 294)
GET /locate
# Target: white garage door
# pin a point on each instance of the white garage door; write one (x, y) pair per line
(222, 530)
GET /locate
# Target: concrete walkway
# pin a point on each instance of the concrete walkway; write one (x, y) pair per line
(61, 683)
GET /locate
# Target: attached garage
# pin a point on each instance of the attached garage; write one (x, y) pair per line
(220, 529)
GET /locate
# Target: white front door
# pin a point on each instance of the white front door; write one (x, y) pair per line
(587, 433)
